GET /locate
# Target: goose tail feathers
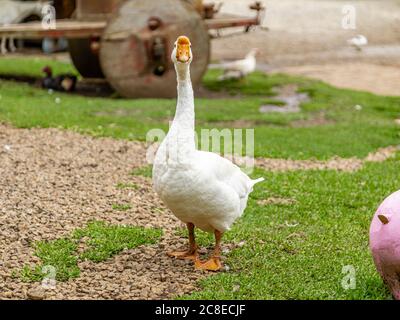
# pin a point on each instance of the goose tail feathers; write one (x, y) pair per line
(253, 182)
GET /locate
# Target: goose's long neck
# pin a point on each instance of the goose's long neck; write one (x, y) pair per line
(182, 128)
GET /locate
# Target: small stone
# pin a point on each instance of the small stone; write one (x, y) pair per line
(37, 293)
(123, 149)
(145, 292)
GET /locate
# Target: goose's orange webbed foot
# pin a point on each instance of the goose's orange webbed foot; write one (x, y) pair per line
(213, 264)
(185, 255)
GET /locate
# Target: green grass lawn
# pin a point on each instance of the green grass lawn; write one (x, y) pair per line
(32, 67)
(349, 132)
(291, 251)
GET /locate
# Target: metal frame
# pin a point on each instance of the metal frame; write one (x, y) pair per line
(64, 28)
(86, 29)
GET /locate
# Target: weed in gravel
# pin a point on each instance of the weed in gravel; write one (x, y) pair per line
(123, 185)
(146, 171)
(59, 254)
(121, 207)
(102, 242)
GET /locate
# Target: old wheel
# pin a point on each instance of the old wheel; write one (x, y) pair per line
(137, 44)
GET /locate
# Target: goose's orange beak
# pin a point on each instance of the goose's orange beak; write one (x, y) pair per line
(183, 49)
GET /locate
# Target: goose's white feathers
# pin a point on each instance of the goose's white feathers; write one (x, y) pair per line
(13, 11)
(358, 41)
(208, 190)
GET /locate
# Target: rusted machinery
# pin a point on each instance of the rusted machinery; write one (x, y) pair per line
(129, 42)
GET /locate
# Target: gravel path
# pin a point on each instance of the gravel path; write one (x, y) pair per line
(54, 181)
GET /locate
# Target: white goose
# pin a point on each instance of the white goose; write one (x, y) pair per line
(358, 42)
(240, 68)
(13, 11)
(201, 188)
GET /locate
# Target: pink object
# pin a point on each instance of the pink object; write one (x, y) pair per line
(384, 242)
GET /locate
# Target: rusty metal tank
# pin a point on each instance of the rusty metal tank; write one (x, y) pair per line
(138, 41)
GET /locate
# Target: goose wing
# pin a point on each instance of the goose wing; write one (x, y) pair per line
(229, 174)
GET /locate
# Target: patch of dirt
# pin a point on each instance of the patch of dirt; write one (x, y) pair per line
(305, 38)
(289, 96)
(203, 92)
(309, 31)
(382, 154)
(235, 124)
(274, 200)
(53, 182)
(319, 119)
(119, 112)
(354, 75)
(337, 163)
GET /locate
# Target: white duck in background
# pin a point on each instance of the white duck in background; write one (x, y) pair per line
(201, 188)
(358, 41)
(14, 11)
(240, 68)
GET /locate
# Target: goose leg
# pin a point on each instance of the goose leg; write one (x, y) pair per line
(190, 254)
(13, 48)
(214, 263)
(3, 48)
